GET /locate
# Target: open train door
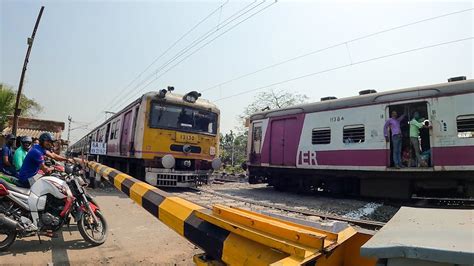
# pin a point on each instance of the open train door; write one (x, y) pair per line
(407, 110)
(125, 136)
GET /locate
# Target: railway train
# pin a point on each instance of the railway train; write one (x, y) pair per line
(338, 145)
(164, 138)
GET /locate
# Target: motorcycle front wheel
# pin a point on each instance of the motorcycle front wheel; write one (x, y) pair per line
(6, 239)
(94, 233)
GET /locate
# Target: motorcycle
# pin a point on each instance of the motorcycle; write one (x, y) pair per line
(48, 206)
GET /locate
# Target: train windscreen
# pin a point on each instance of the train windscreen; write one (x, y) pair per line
(183, 118)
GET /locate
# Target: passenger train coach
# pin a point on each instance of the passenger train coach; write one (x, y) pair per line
(163, 138)
(338, 145)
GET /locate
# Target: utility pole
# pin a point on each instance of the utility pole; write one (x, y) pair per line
(17, 111)
(69, 118)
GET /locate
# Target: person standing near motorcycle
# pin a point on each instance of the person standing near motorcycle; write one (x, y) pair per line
(6, 163)
(21, 152)
(34, 160)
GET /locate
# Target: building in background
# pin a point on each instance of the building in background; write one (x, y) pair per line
(34, 127)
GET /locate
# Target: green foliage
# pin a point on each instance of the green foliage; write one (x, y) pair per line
(233, 148)
(28, 106)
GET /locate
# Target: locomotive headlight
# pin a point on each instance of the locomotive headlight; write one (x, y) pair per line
(168, 161)
(212, 150)
(187, 163)
(216, 163)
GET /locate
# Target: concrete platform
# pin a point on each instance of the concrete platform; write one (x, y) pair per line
(419, 236)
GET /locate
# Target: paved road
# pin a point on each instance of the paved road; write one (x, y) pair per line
(134, 237)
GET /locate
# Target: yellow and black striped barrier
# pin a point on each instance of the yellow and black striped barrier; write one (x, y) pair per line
(240, 237)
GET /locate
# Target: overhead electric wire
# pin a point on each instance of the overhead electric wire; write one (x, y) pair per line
(213, 31)
(204, 45)
(117, 96)
(168, 49)
(343, 66)
(213, 40)
(334, 46)
(197, 41)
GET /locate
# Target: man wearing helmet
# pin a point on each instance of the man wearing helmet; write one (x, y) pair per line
(34, 161)
(6, 163)
(21, 152)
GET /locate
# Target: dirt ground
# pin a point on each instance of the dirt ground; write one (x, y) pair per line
(134, 237)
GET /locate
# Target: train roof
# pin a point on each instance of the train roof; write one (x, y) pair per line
(175, 98)
(435, 90)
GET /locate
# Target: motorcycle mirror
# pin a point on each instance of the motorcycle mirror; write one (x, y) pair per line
(69, 168)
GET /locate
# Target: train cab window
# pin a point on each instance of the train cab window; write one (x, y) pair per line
(465, 126)
(182, 118)
(321, 136)
(353, 134)
(257, 138)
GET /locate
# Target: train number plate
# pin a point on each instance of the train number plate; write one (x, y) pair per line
(187, 138)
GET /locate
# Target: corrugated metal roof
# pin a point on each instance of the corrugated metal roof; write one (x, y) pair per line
(29, 132)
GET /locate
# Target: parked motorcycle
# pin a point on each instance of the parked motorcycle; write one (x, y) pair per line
(47, 207)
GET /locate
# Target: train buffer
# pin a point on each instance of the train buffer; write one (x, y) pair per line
(236, 236)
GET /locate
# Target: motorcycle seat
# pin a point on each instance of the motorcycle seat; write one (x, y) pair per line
(12, 187)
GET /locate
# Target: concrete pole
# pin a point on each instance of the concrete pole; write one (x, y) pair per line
(17, 111)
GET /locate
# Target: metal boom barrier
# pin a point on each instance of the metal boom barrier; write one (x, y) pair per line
(240, 237)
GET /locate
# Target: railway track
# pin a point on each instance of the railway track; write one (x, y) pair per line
(207, 198)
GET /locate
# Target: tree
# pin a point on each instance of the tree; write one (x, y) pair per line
(29, 107)
(233, 149)
(273, 99)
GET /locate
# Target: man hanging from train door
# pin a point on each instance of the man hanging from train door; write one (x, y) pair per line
(394, 124)
(415, 126)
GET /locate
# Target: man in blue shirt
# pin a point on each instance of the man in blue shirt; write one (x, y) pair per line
(6, 163)
(34, 161)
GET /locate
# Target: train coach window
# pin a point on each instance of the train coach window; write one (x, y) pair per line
(353, 134)
(321, 136)
(112, 131)
(465, 124)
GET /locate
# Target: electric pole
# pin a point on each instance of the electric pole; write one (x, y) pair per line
(17, 111)
(69, 118)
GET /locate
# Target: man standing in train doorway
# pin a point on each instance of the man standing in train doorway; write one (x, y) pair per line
(415, 126)
(393, 123)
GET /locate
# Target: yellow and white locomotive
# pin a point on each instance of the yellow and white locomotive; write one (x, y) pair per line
(163, 138)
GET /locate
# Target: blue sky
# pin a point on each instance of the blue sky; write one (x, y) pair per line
(86, 52)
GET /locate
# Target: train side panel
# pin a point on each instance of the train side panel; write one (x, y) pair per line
(453, 150)
(356, 140)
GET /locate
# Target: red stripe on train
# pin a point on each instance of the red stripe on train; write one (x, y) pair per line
(461, 155)
(353, 157)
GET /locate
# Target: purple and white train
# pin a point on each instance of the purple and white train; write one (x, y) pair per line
(338, 145)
